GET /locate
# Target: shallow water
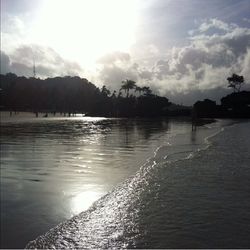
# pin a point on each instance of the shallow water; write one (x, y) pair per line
(161, 184)
(54, 168)
(198, 202)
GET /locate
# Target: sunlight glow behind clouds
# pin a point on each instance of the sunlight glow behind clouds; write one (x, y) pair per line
(84, 30)
(175, 47)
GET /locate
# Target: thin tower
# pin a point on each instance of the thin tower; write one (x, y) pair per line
(34, 67)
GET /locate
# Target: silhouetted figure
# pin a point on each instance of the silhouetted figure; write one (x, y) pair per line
(194, 119)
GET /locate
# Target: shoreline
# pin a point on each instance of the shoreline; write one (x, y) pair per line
(96, 228)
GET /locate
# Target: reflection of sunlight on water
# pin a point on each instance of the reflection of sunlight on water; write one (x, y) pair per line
(84, 200)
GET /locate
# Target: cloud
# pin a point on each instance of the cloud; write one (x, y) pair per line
(246, 20)
(47, 61)
(114, 57)
(215, 23)
(206, 62)
(199, 67)
(113, 75)
(5, 63)
(116, 67)
(183, 48)
(215, 50)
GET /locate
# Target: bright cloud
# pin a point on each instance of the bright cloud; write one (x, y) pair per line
(179, 48)
(202, 65)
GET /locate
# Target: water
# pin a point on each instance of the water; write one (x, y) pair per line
(54, 168)
(161, 184)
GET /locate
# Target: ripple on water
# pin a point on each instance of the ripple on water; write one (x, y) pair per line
(75, 154)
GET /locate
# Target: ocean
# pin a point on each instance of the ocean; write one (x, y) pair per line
(82, 182)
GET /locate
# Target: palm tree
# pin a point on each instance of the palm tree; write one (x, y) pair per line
(127, 85)
(114, 94)
(138, 89)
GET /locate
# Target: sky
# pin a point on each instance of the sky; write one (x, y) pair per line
(182, 49)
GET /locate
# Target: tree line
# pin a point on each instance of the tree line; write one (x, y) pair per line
(69, 95)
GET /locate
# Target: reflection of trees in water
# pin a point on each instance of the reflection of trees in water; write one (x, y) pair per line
(132, 130)
(148, 127)
(111, 132)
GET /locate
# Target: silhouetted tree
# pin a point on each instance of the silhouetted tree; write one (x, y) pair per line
(235, 82)
(205, 108)
(147, 91)
(70, 95)
(105, 91)
(127, 85)
(138, 89)
(237, 105)
(113, 94)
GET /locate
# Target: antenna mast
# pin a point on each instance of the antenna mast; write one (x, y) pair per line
(34, 67)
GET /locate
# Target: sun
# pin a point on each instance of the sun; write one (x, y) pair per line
(84, 30)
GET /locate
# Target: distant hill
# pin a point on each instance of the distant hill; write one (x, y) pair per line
(60, 94)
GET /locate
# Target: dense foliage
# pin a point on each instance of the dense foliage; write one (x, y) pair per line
(71, 95)
(235, 105)
(67, 94)
(235, 82)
